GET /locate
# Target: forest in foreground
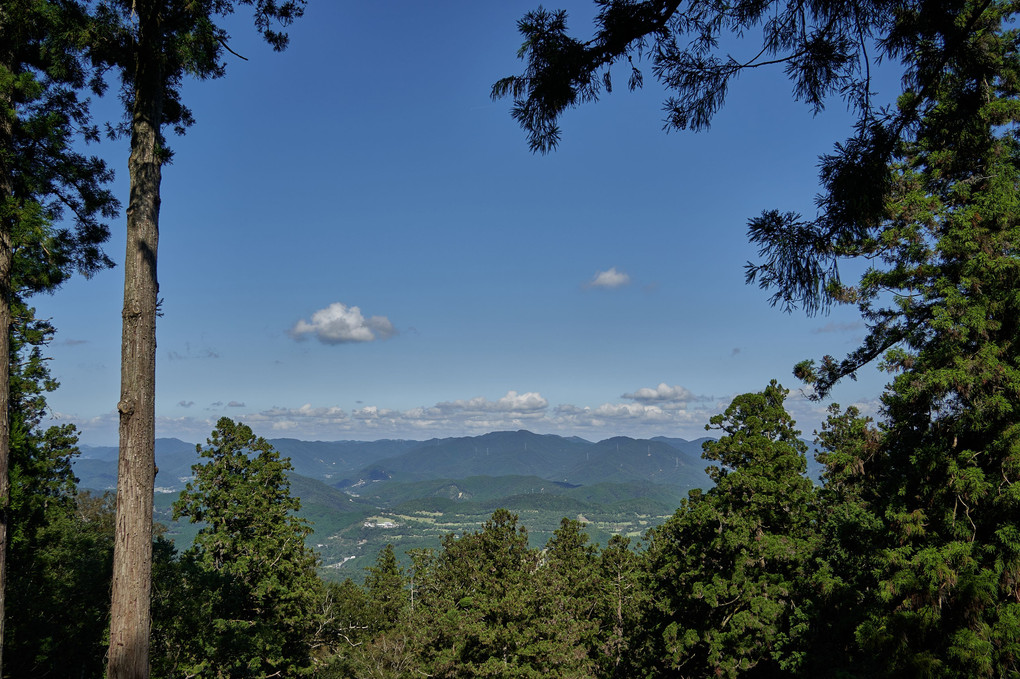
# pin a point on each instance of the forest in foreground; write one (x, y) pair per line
(904, 562)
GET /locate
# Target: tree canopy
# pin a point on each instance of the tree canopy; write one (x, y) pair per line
(251, 575)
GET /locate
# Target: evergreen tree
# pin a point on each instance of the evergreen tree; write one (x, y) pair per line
(477, 614)
(823, 46)
(731, 569)
(42, 177)
(249, 570)
(61, 542)
(344, 630)
(852, 530)
(568, 601)
(387, 596)
(622, 597)
(943, 314)
(925, 194)
(154, 44)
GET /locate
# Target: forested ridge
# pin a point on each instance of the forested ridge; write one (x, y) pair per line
(903, 562)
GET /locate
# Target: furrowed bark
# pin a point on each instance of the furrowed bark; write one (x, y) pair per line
(130, 615)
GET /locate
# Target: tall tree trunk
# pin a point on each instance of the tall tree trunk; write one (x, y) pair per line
(6, 197)
(130, 616)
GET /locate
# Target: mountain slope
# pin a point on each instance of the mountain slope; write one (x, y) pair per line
(497, 454)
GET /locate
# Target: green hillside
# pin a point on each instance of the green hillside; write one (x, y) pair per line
(411, 493)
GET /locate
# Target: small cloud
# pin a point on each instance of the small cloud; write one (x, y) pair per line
(216, 404)
(736, 350)
(236, 404)
(661, 394)
(185, 404)
(609, 279)
(73, 342)
(340, 324)
(521, 404)
(306, 417)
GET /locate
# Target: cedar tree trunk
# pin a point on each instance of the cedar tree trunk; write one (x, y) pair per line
(130, 615)
(6, 256)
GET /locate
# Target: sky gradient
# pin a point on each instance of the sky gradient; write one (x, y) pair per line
(356, 243)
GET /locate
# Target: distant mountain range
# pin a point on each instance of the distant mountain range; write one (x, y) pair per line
(351, 464)
(361, 496)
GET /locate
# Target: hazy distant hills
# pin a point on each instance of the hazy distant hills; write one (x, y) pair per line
(361, 496)
(329, 460)
(497, 454)
(672, 462)
(96, 468)
(348, 464)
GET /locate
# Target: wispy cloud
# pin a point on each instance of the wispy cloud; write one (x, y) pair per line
(832, 326)
(304, 419)
(625, 419)
(189, 353)
(236, 404)
(341, 324)
(185, 404)
(609, 279)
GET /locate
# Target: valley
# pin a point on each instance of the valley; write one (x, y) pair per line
(360, 496)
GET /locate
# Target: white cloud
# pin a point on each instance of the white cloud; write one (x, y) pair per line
(306, 418)
(471, 416)
(662, 394)
(526, 404)
(651, 411)
(340, 324)
(628, 418)
(609, 279)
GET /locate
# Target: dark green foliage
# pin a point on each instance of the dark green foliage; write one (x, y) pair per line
(387, 595)
(249, 574)
(731, 570)
(478, 608)
(921, 555)
(59, 583)
(623, 595)
(851, 534)
(365, 632)
(569, 601)
(488, 605)
(42, 71)
(943, 312)
(823, 47)
(61, 541)
(177, 41)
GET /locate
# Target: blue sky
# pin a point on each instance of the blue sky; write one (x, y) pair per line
(356, 243)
